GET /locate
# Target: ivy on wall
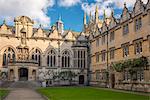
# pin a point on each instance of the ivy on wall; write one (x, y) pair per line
(131, 64)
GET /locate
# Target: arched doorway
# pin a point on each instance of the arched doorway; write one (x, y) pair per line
(23, 74)
(81, 79)
(112, 80)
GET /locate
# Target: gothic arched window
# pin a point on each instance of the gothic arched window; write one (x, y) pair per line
(51, 58)
(79, 58)
(65, 59)
(36, 56)
(8, 56)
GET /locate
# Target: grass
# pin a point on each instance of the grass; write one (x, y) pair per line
(3, 93)
(87, 93)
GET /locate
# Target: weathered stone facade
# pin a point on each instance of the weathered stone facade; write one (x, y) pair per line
(65, 57)
(114, 40)
(28, 53)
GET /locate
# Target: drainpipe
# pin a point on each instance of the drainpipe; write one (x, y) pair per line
(88, 63)
(59, 54)
(107, 51)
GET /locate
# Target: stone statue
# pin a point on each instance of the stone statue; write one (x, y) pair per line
(23, 38)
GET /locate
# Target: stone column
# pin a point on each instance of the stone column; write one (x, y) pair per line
(29, 74)
(16, 70)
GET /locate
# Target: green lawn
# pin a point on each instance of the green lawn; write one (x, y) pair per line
(87, 93)
(3, 93)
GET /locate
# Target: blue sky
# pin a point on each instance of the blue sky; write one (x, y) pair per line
(47, 12)
(72, 16)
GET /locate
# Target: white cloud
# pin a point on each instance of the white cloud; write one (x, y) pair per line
(68, 3)
(101, 6)
(129, 3)
(108, 5)
(36, 9)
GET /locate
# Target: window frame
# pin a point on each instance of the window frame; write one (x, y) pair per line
(125, 29)
(103, 55)
(138, 47)
(112, 53)
(112, 36)
(126, 49)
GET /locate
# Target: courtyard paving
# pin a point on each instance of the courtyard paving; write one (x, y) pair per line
(23, 91)
(23, 94)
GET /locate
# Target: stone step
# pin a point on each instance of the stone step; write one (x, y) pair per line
(25, 84)
(5, 84)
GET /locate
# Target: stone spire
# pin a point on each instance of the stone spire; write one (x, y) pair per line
(84, 20)
(59, 19)
(40, 26)
(112, 13)
(90, 17)
(104, 16)
(60, 25)
(125, 9)
(4, 21)
(96, 15)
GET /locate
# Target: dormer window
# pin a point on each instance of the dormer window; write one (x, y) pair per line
(112, 36)
(103, 39)
(125, 29)
(97, 42)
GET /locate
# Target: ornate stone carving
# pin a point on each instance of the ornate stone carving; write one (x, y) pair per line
(23, 36)
(23, 20)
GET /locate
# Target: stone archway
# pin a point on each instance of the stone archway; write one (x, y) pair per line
(23, 74)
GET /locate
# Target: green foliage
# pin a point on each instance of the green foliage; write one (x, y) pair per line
(132, 65)
(67, 75)
(118, 67)
(3, 93)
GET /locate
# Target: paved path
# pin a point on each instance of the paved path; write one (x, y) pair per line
(24, 90)
(23, 94)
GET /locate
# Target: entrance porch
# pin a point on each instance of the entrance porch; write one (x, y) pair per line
(22, 72)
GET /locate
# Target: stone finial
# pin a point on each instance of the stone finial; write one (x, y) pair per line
(96, 14)
(125, 5)
(40, 26)
(4, 21)
(112, 13)
(84, 19)
(104, 16)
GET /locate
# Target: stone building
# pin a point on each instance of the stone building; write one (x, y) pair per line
(113, 40)
(64, 57)
(28, 53)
